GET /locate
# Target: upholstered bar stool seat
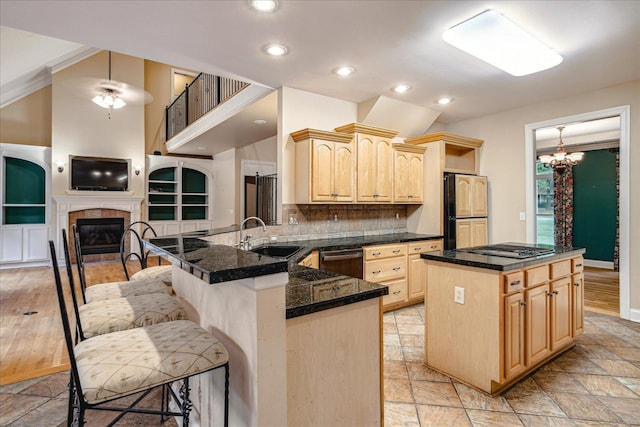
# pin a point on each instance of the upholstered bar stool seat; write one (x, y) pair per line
(126, 362)
(159, 273)
(104, 317)
(124, 289)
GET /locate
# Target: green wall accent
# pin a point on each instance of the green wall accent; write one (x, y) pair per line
(24, 182)
(595, 201)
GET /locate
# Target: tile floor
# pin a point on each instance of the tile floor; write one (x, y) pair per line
(597, 383)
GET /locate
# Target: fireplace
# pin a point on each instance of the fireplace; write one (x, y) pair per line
(100, 235)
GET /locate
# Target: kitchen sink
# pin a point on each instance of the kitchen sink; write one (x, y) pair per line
(277, 251)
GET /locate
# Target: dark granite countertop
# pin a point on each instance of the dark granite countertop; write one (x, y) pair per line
(502, 263)
(308, 290)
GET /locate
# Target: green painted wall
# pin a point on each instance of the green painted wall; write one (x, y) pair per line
(595, 204)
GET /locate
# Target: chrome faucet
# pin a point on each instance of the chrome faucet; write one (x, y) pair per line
(245, 242)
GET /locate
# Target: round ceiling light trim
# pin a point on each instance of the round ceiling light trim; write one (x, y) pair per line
(275, 49)
(264, 5)
(260, 122)
(401, 88)
(444, 100)
(344, 71)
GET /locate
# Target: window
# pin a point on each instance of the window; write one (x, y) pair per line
(177, 193)
(544, 204)
(24, 192)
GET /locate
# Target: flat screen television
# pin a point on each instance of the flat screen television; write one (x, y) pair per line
(99, 174)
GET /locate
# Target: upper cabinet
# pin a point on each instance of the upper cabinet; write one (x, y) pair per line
(471, 196)
(459, 154)
(326, 166)
(409, 173)
(375, 162)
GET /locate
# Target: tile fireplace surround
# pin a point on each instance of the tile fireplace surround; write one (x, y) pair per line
(94, 205)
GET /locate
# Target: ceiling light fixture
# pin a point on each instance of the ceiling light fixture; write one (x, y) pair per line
(344, 71)
(274, 49)
(444, 101)
(401, 88)
(108, 97)
(264, 5)
(260, 122)
(561, 159)
(492, 38)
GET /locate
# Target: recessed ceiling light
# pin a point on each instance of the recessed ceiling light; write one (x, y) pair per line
(275, 49)
(260, 122)
(444, 101)
(344, 71)
(401, 88)
(492, 38)
(264, 5)
(201, 148)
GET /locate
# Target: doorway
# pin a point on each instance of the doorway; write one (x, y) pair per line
(623, 113)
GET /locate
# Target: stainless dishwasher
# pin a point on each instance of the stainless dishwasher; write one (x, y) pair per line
(344, 261)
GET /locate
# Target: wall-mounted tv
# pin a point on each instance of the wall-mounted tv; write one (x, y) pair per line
(99, 174)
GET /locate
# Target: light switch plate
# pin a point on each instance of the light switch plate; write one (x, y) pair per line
(459, 295)
(522, 216)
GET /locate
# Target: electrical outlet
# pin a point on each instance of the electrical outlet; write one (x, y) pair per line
(397, 215)
(293, 220)
(335, 217)
(522, 216)
(459, 295)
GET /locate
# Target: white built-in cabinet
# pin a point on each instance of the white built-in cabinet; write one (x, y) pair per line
(179, 196)
(25, 180)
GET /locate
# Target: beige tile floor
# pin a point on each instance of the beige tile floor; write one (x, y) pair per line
(597, 383)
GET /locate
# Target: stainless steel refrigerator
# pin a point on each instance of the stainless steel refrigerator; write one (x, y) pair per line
(465, 210)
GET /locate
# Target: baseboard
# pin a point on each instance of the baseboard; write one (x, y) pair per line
(634, 315)
(598, 264)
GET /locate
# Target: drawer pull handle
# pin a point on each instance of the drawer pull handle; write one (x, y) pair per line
(397, 251)
(516, 283)
(523, 303)
(578, 265)
(418, 249)
(396, 268)
(396, 292)
(576, 284)
(376, 254)
(376, 272)
(434, 246)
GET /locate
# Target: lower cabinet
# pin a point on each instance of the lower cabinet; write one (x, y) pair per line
(24, 243)
(514, 334)
(537, 330)
(471, 232)
(577, 303)
(312, 260)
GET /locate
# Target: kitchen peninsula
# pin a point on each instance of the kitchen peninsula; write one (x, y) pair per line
(495, 313)
(305, 345)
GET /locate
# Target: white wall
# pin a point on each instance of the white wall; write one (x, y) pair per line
(80, 127)
(503, 154)
(261, 151)
(301, 110)
(225, 176)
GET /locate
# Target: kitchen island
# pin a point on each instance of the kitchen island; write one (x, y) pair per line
(490, 320)
(305, 345)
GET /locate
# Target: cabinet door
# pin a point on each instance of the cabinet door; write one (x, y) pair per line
(537, 326)
(479, 196)
(401, 177)
(383, 172)
(463, 233)
(417, 277)
(11, 246)
(322, 171)
(560, 313)
(35, 243)
(479, 232)
(577, 302)
(463, 195)
(344, 164)
(514, 356)
(366, 181)
(416, 180)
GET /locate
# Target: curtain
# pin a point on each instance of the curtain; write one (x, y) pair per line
(563, 206)
(616, 248)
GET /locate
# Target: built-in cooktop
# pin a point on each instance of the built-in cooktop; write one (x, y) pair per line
(508, 251)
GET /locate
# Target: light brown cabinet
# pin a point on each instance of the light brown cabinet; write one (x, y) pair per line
(471, 232)
(514, 334)
(537, 330)
(312, 260)
(327, 166)
(577, 302)
(409, 173)
(374, 165)
(471, 196)
(416, 272)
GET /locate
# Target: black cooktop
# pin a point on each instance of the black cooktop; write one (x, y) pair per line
(509, 251)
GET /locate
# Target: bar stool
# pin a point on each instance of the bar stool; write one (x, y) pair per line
(118, 314)
(160, 272)
(109, 367)
(111, 290)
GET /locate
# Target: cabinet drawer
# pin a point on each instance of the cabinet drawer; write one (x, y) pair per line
(386, 251)
(387, 269)
(324, 291)
(426, 246)
(397, 292)
(537, 275)
(561, 268)
(513, 282)
(577, 265)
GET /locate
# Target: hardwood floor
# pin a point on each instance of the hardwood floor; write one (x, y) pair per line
(33, 345)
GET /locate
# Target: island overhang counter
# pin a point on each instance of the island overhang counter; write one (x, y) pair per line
(299, 355)
(490, 320)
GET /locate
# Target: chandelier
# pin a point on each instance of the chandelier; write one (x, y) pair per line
(108, 97)
(561, 159)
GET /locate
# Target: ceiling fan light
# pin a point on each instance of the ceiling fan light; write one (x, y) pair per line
(575, 157)
(118, 103)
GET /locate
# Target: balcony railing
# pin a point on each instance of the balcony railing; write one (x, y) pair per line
(199, 97)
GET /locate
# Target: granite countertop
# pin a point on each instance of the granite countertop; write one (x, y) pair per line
(308, 291)
(502, 263)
